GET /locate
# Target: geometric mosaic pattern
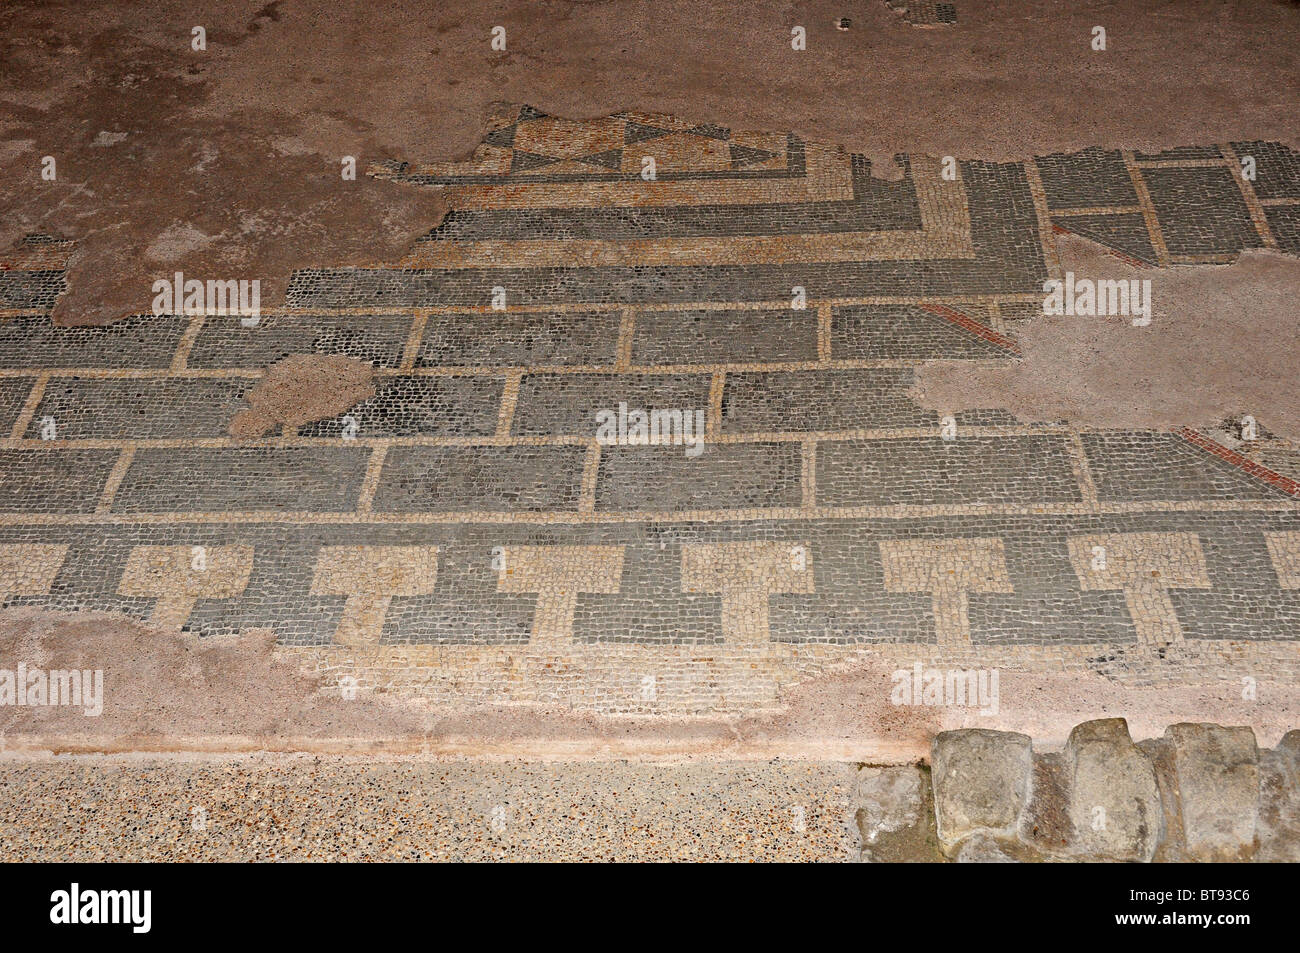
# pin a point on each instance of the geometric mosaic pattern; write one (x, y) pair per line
(474, 538)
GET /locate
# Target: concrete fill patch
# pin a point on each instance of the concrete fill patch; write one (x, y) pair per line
(1221, 343)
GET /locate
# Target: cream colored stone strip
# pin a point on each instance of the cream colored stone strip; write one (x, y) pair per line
(186, 343)
(590, 476)
(626, 330)
(112, 373)
(1284, 200)
(1248, 195)
(458, 673)
(411, 351)
(134, 373)
(514, 440)
(1177, 163)
(115, 478)
(580, 307)
(777, 654)
(1098, 210)
(1148, 208)
(808, 473)
(30, 405)
(823, 334)
(1046, 237)
(370, 483)
(650, 369)
(509, 400)
(498, 370)
(1082, 471)
(713, 424)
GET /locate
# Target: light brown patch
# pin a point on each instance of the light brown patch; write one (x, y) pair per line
(160, 683)
(301, 389)
(1221, 342)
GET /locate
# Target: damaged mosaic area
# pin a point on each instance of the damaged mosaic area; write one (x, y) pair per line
(464, 534)
(924, 13)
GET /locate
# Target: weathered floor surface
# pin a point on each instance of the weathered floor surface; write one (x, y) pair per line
(470, 534)
(295, 808)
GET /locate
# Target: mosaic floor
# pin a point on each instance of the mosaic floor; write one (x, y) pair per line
(467, 534)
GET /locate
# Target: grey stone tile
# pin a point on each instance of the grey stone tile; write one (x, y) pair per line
(53, 481)
(1284, 221)
(1087, 179)
(821, 400)
(727, 476)
(1277, 168)
(256, 478)
(225, 342)
(736, 337)
(1124, 233)
(541, 338)
(433, 479)
(14, 392)
(166, 408)
(143, 341)
(903, 332)
(1201, 211)
(1135, 465)
(569, 403)
(406, 406)
(925, 471)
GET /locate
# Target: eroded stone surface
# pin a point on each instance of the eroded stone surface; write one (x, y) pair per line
(1113, 801)
(894, 816)
(1279, 803)
(981, 782)
(1218, 783)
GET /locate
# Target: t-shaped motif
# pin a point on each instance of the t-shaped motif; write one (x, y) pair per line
(746, 574)
(1145, 566)
(557, 574)
(948, 569)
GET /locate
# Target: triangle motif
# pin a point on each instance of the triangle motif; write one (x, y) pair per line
(742, 156)
(613, 159)
(527, 161)
(505, 136)
(639, 132)
(710, 131)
